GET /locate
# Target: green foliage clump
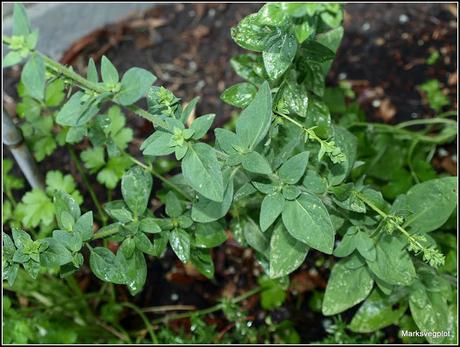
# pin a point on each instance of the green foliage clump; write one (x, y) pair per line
(299, 172)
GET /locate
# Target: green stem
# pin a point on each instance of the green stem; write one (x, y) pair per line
(91, 192)
(410, 135)
(11, 198)
(425, 122)
(83, 83)
(97, 88)
(384, 215)
(161, 178)
(310, 131)
(147, 323)
(208, 310)
(105, 233)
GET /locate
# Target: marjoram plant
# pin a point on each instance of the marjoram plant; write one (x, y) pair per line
(281, 180)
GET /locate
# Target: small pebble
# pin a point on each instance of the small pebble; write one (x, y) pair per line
(414, 115)
(212, 12)
(342, 76)
(376, 103)
(420, 42)
(174, 297)
(442, 152)
(366, 26)
(403, 19)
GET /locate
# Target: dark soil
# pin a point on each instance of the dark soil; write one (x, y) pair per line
(188, 47)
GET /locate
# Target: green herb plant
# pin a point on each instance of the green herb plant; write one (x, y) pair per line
(297, 174)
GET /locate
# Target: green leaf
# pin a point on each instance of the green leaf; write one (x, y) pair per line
(227, 140)
(159, 143)
(118, 210)
(84, 226)
(297, 9)
(28, 108)
(201, 125)
(21, 238)
(271, 14)
(180, 243)
(78, 110)
(250, 35)
(135, 271)
(209, 235)
(347, 143)
(293, 97)
(35, 208)
(317, 52)
(431, 203)
(239, 95)
(54, 93)
(144, 244)
(205, 210)
(44, 147)
(174, 206)
(12, 58)
(134, 85)
(114, 170)
(21, 25)
(55, 180)
(377, 312)
(255, 237)
(187, 111)
(286, 253)
(202, 260)
(33, 77)
(273, 293)
(32, 268)
(271, 208)
(91, 72)
(93, 158)
(430, 312)
(307, 220)
(120, 134)
(55, 255)
(108, 71)
(294, 168)
(280, 54)
(148, 225)
(136, 185)
(254, 121)
(393, 263)
(72, 241)
(314, 183)
(65, 203)
(249, 67)
(76, 134)
(256, 163)
(106, 266)
(202, 171)
(346, 287)
(127, 247)
(435, 95)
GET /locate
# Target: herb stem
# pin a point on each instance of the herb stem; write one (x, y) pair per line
(208, 310)
(147, 323)
(384, 215)
(84, 83)
(410, 135)
(91, 192)
(105, 233)
(161, 178)
(426, 121)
